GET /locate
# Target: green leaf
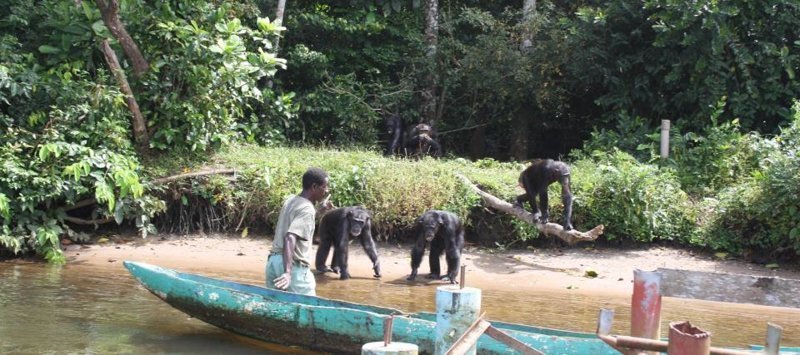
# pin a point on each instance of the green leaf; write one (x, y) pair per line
(48, 49)
(4, 207)
(99, 27)
(119, 214)
(104, 193)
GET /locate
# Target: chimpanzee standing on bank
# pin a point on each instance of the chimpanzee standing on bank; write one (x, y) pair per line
(335, 229)
(535, 180)
(420, 142)
(445, 232)
(417, 142)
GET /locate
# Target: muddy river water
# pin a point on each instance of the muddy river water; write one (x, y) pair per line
(101, 309)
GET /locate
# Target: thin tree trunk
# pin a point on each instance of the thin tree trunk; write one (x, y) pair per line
(279, 19)
(138, 122)
(430, 81)
(528, 10)
(110, 13)
(519, 136)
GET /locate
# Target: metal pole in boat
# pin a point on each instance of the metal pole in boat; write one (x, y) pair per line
(387, 347)
(646, 305)
(456, 309)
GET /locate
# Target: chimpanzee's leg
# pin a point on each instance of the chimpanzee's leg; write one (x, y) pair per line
(437, 249)
(566, 198)
(453, 255)
(416, 257)
(543, 206)
(340, 256)
(322, 252)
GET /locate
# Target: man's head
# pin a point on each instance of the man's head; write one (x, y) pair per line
(315, 184)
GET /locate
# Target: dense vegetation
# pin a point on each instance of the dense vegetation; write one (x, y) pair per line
(217, 91)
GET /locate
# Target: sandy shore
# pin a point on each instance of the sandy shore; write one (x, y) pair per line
(549, 269)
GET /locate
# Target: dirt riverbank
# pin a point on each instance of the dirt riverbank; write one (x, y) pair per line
(540, 269)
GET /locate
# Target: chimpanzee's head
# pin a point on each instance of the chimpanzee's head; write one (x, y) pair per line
(358, 220)
(392, 123)
(430, 222)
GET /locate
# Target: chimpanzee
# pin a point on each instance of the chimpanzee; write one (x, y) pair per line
(445, 232)
(418, 142)
(421, 143)
(395, 129)
(535, 180)
(335, 229)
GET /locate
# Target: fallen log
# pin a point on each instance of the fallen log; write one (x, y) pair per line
(571, 237)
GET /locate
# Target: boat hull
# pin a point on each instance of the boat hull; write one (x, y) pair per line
(318, 323)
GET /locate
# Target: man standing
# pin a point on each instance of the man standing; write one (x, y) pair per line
(290, 256)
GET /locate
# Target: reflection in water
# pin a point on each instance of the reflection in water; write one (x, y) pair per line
(54, 309)
(76, 308)
(729, 324)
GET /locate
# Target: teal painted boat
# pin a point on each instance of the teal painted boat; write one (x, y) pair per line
(318, 323)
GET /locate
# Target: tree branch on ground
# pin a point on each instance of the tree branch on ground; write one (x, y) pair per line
(88, 222)
(571, 237)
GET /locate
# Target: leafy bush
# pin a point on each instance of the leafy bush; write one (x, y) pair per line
(635, 201)
(721, 156)
(632, 135)
(65, 134)
(762, 213)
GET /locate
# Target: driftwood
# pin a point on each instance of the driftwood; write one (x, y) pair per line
(553, 229)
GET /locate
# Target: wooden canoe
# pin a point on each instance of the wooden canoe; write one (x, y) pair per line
(318, 323)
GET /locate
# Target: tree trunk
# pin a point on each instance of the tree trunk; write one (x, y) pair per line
(138, 122)
(519, 136)
(110, 13)
(528, 10)
(431, 40)
(571, 236)
(279, 19)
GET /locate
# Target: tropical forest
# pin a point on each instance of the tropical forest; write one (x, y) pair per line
(179, 117)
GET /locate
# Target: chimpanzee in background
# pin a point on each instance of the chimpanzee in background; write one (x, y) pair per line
(535, 180)
(421, 143)
(396, 131)
(445, 232)
(335, 229)
(418, 142)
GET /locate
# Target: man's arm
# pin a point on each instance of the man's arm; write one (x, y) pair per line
(324, 206)
(284, 281)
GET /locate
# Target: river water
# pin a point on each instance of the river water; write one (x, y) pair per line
(47, 309)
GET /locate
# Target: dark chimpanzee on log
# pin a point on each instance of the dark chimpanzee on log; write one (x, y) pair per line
(535, 180)
(445, 232)
(335, 229)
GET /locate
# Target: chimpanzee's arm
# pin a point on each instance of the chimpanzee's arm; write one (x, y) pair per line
(369, 247)
(416, 256)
